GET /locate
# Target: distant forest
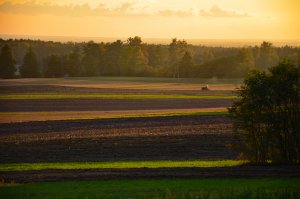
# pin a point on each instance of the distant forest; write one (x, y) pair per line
(36, 58)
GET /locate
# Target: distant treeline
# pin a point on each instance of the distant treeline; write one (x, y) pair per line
(36, 58)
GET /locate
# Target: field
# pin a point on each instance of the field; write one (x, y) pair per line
(175, 188)
(126, 131)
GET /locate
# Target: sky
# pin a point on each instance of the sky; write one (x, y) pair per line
(187, 19)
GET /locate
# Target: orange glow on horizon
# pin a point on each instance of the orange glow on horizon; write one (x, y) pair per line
(218, 19)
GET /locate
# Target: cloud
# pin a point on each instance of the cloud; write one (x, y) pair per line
(125, 9)
(121, 10)
(33, 8)
(177, 13)
(217, 11)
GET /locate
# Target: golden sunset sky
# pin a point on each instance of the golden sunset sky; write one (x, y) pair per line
(189, 19)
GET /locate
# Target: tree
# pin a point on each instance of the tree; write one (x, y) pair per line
(156, 55)
(54, 67)
(177, 48)
(246, 58)
(73, 65)
(92, 59)
(113, 56)
(268, 56)
(7, 63)
(30, 66)
(186, 65)
(135, 41)
(158, 60)
(203, 55)
(223, 67)
(267, 114)
(137, 61)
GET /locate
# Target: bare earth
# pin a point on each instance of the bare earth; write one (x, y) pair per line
(44, 131)
(46, 105)
(166, 138)
(9, 117)
(149, 84)
(18, 110)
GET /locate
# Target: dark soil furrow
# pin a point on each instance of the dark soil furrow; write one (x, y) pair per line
(44, 105)
(96, 174)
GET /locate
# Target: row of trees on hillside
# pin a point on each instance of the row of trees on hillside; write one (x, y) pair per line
(28, 58)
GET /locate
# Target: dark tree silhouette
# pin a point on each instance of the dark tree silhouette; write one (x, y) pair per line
(73, 63)
(30, 66)
(7, 63)
(54, 67)
(267, 114)
(135, 41)
(92, 59)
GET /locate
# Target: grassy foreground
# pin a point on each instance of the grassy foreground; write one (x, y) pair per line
(112, 96)
(118, 165)
(164, 188)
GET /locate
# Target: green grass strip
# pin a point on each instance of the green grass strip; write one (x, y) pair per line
(124, 116)
(160, 115)
(146, 115)
(273, 188)
(118, 165)
(112, 96)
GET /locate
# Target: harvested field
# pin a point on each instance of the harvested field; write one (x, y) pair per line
(161, 138)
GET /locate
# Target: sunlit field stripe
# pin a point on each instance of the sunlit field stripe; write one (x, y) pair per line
(119, 165)
(112, 96)
(6, 117)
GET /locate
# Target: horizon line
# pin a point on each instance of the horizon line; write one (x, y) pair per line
(156, 40)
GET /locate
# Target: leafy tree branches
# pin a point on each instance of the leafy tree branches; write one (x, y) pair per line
(267, 115)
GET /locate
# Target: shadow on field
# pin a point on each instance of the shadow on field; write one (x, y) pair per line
(244, 171)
